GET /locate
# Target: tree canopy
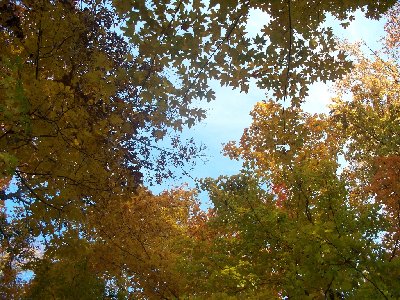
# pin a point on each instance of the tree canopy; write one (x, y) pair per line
(89, 88)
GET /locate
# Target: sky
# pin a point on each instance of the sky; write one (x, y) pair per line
(228, 115)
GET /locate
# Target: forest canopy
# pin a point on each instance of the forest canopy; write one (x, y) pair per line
(88, 90)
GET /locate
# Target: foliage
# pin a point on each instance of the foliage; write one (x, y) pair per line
(15, 247)
(288, 230)
(314, 213)
(209, 40)
(89, 87)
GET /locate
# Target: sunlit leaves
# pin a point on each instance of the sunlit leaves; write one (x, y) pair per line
(370, 120)
(88, 89)
(302, 226)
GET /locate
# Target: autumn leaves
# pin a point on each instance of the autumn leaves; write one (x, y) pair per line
(83, 105)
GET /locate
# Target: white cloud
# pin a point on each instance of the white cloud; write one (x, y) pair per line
(256, 21)
(361, 29)
(319, 98)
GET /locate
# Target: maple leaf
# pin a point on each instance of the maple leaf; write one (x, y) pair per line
(83, 105)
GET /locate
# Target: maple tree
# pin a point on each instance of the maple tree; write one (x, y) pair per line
(89, 87)
(284, 227)
(131, 252)
(71, 122)
(315, 212)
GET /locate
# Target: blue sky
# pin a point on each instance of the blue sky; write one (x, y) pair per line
(228, 114)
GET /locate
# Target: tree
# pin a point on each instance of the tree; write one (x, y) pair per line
(89, 87)
(285, 227)
(69, 116)
(293, 224)
(15, 250)
(371, 124)
(290, 52)
(74, 131)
